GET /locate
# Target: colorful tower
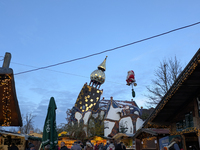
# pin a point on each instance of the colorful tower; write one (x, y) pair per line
(89, 96)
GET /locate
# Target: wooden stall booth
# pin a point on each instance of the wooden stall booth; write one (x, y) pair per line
(126, 139)
(98, 140)
(20, 140)
(179, 109)
(149, 138)
(9, 109)
(68, 141)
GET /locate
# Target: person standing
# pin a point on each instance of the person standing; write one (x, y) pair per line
(118, 146)
(14, 147)
(96, 147)
(107, 144)
(76, 146)
(111, 145)
(123, 146)
(63, 147)
(57, 147)
(174, 143)
(88, 146)
(101, 146)
(31, 146)
(81, 145)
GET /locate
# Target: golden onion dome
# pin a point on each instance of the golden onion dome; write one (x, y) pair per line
(99, 75)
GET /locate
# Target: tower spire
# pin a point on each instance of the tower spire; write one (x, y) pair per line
(97, 77)
(102, 66)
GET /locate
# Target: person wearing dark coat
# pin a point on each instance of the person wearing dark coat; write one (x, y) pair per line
(14, 147)
(57, 147)
(32, 146)
(123, 146)
(76, 146)
(118, 146)
(63, 147)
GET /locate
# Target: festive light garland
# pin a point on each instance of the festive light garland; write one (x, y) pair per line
(151, 125)
(144, 145)
(5, 83)
(187, 130)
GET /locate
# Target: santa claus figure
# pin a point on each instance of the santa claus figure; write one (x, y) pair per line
(130, 77)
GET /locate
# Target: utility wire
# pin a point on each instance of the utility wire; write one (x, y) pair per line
(63, 72)
(1, 59)
(51, 70)
(110, 49)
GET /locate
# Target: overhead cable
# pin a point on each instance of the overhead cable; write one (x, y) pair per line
(63, 72)
(110, 49)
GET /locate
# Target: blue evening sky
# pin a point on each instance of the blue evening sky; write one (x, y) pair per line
(41, 33)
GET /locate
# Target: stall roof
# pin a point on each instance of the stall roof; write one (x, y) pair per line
(121, 135)
(3, 132)
(27, 137)
(179, 95)
(7, 91)
(145, 132)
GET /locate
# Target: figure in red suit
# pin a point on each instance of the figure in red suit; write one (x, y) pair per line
(130, 77)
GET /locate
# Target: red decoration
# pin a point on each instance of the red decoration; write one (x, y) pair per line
(130, 77)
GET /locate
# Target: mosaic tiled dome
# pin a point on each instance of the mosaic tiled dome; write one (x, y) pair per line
(99, 75)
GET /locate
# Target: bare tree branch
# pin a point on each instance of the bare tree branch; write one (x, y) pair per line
(27, 123)
(166, 74)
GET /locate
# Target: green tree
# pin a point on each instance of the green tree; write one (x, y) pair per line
(144, 116)
(95, 127)
(76, 130)
(61, 127)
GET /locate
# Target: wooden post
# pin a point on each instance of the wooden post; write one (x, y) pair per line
(157, 143)
(7, 59)
(196, 119)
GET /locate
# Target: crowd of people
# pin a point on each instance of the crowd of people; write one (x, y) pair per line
(110, 145)
(29, 147)
(78, 145)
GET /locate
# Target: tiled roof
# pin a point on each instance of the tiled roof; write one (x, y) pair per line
(122, 103)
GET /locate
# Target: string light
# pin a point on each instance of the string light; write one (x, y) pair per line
(188, 130)
(5, 82)
(144, 140)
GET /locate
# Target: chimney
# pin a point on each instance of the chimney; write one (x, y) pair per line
(31, 132)
(7, 59)
(111, 98)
